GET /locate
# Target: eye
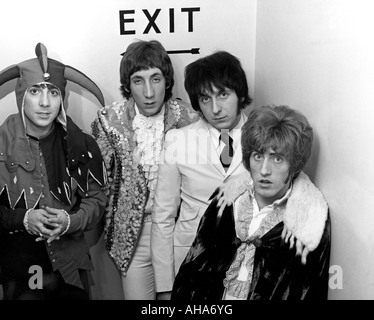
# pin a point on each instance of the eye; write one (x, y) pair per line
(54, 92)
(224, 95)
(278, 159)
(34, 90)
(204, 99)
(136, 81)
(156, 80)
(257, 156)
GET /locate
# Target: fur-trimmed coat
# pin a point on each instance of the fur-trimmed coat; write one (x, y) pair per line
(113, 130)
(278, 273)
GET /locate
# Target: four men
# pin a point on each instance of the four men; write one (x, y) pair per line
(52, 197)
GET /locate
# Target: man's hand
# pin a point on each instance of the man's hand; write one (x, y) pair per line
(39, 224)
(59, 220)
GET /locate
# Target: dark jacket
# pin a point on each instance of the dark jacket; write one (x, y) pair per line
(278, 273)
(64, 173)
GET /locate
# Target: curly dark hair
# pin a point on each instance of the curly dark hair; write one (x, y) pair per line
(281, 128)
(220, 69)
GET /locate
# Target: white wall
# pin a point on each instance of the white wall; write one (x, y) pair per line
(314, 55)
(86, 35)
(317, 56)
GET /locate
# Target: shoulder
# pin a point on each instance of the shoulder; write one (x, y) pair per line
(10, 134)
(11, 121)
(306, 212)
(118, 116)
(244, 116)
(114, 110)
(194, 128)
(183, 112)
(79, 141)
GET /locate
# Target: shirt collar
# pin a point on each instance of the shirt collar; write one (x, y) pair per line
(235, 133)
(276, 203)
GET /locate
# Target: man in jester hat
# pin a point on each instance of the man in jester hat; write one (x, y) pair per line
(52, 182)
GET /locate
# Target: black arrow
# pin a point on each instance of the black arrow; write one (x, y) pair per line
(192, 51)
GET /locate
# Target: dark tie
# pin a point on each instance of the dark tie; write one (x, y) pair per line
(228, 150)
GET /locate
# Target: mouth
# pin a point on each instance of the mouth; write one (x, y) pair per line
(43, 114)
(265, 182)
(149, 103)
(219, 118)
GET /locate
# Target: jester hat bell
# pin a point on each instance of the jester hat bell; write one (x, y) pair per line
(45, 70)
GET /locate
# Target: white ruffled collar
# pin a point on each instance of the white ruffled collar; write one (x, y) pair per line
(149, 134)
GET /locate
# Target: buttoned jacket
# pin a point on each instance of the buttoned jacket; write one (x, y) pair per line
(190, 173)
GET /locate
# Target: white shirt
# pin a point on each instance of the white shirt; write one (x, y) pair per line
(149, 146)
(258, 216)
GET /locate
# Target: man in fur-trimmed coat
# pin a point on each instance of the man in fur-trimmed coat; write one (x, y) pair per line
(239, 253)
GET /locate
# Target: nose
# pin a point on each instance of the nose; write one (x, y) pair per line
(216, 107)
(44, 98)
(148, 90)
(265, 167)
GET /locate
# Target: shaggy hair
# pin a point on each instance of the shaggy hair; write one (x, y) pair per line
(282, 129)
(143, 55)
(220, 69)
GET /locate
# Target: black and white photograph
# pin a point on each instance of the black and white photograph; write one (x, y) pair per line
(186, 154)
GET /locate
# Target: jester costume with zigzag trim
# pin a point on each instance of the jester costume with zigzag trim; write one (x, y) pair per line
(44, 172)
(62, 170)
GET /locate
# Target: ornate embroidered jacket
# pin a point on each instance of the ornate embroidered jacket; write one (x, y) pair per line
(114, 132)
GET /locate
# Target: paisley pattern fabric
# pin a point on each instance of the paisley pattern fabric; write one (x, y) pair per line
(130, 180)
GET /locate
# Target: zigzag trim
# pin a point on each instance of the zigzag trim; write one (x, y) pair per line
(22, 195)
(19, 198)
(7, 192)
(89, 173)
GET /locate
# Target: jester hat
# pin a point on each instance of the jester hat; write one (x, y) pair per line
(45, 70)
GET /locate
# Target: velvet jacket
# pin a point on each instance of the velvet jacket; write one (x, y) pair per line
(278, 273)
(114, 132)
(65, 171)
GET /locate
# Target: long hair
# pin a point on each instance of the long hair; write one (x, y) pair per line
(143, 55)
(282, 129)
(220, 69)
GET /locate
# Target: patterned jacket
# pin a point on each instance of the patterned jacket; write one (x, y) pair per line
(113, 130)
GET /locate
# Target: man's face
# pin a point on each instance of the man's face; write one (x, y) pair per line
(269, 172)
(220, 108)
(41, 108)
(148, 89)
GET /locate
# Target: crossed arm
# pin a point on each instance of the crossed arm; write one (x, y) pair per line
(49, 223)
